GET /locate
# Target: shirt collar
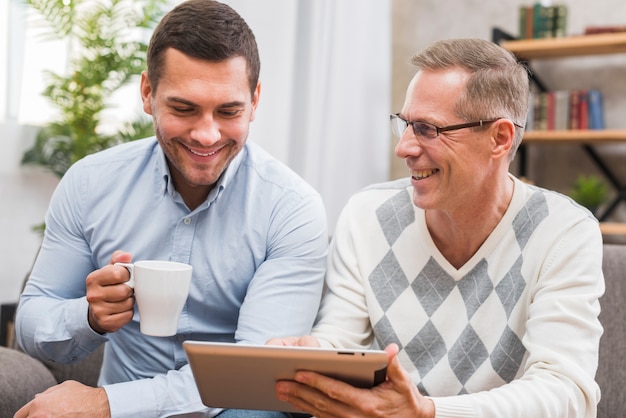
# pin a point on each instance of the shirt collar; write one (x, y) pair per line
(167, 185)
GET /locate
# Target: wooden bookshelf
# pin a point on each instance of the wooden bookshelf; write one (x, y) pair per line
(598, 44)
(613, 228)
(576, 136)
(573, 46)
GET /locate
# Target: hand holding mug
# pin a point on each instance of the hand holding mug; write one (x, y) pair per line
(111, 303)
(161, 289)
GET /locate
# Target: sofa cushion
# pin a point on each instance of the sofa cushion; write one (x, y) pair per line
(21, 378)
(611, 374)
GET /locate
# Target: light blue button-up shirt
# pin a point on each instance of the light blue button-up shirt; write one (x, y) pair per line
(257, 245)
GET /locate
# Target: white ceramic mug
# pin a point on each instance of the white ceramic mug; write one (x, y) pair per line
(161, 289)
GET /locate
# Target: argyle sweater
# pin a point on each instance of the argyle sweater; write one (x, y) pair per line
(512, 333)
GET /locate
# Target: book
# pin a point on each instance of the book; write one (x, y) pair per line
(530, 22)
(549, 110)
(538, 113)
(574, 110)
(561, 109)
(591, 30)
(583, 112)
(547, 22)
(560, 21)
(522, 22)
(596, 110)
(537, 21)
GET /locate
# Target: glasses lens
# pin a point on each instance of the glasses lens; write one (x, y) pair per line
(398, 125)
(425, 130)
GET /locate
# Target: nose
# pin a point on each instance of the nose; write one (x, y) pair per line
(206, 130)
(408, 144)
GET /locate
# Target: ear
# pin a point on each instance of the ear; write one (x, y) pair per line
(146, 93)
(255, 100)
(503, 138)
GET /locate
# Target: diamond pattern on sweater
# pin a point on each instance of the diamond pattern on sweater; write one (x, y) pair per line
(388, 280)
(426, 348)
(467, 354)
(462, 352)
(506, 358)
(511, 287)
(432, 286)
(475, 287)
(395, 214)
(385, 334)
(527, 219)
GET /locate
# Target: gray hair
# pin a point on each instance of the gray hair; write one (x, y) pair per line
(498, 86)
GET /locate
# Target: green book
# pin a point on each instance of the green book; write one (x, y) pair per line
(560, 21)
(537, 21)
(522, 22)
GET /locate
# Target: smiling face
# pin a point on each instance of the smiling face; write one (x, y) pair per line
(452, 171)
(201, 111)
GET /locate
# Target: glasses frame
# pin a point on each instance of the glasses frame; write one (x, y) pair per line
(439, 129)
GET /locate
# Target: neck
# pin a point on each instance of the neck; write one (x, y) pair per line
(458, 234)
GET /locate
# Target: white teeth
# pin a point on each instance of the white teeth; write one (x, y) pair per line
(422, 174)
(200, 154)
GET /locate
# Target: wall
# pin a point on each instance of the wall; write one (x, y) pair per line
(419, 23)
(24, 195)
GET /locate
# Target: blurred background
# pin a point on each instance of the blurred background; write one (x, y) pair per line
(331, 73)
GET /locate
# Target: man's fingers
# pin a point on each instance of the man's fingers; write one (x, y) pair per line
(120, 256)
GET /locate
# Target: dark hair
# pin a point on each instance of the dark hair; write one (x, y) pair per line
(207, 30)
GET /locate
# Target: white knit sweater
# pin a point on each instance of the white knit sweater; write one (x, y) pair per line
(512, 333)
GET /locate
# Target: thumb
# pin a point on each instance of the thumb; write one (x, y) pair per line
(395, 372)
(120, 256)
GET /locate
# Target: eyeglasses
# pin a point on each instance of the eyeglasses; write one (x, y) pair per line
(430, 131)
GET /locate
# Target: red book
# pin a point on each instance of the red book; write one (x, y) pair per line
(583, 112)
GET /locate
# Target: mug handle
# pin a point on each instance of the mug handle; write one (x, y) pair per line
(131, 269)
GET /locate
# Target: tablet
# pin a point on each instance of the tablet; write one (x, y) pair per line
(243, 376)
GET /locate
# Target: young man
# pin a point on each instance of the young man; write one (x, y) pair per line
(484, 290)
(253, 230)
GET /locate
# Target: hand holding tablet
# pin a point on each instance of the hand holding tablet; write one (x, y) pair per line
(244, 376)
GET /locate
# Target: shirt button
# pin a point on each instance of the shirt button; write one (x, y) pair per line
(187, 221)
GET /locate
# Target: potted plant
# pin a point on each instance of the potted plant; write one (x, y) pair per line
(589, 191)
(103, 57)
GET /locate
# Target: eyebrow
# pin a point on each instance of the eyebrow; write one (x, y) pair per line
(180, 100)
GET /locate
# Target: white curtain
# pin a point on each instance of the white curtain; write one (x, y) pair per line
(325, 100)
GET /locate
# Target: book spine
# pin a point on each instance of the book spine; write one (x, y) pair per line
(522, 22)
(560, 21)
(541, 112)
(574, 110)
(547, 21)
(583, 112)
(561, 109)
(537, 21)
(550, 105)
(530, 22)
(596, 109)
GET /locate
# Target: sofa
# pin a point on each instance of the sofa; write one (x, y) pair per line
(21, 377)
